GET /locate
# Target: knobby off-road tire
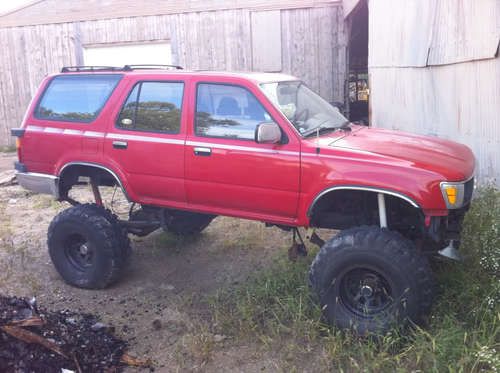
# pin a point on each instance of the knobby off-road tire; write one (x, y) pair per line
(184, 223)
(370, 279)
(88, 246)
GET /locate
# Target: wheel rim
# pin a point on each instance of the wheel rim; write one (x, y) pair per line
(79, 252)
(365, 292)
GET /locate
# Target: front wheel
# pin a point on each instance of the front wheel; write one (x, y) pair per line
(370, 279)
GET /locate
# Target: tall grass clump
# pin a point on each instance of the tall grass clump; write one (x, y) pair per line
(276, 308)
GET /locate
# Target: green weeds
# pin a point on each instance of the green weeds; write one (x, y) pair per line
(276, 308)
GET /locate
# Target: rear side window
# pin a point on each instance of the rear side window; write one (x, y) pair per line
(76, 98)
(153, 107)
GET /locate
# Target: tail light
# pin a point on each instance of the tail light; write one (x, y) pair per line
(18, 133)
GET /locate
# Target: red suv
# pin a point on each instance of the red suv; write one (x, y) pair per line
(187, 146)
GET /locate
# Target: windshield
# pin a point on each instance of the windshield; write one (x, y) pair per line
(307, 111)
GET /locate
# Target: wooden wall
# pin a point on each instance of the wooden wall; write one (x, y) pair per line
(313, 47)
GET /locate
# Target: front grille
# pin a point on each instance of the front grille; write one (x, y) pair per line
(468, 190)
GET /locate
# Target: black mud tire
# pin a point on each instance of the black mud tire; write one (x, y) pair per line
(185, 223)
(371, 280)
(88, 246)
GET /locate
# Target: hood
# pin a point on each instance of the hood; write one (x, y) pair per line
(454, 161)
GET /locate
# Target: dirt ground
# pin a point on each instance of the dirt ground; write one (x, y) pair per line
(157, 304)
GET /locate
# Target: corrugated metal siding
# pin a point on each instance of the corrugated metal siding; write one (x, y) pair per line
(400, 32)
(464, 30)
(459, 101)
(313, 48)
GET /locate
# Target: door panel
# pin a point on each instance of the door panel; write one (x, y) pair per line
(237, 173)
(148, 144)
(154, 165)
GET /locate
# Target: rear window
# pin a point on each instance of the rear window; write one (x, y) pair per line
(76, 98)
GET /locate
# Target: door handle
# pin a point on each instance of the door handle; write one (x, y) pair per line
(120, 144)
(202, 151)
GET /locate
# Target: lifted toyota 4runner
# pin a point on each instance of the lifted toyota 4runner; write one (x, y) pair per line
(187, 146)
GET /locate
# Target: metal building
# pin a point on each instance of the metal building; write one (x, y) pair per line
(434, 69)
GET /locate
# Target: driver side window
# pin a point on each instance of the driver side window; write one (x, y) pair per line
(227, 111)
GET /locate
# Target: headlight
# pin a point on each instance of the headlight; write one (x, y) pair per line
(453, 194)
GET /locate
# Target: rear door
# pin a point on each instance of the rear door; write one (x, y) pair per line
(147, 141)
(226, 170)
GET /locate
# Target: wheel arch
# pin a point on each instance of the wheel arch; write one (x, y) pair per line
(347, 206)
(333, 189)
(66, 169)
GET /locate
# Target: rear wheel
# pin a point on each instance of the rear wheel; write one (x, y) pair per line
(370, 279)
(88, 246)
(185, 223)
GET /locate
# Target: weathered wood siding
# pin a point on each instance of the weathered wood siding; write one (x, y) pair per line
(313, 43)
(63, 11)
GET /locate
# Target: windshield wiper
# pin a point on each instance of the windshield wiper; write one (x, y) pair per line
(345, 126)
(319, 130)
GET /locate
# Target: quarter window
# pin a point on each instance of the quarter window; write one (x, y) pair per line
(228, 111)
(153, 107)
(76, 98)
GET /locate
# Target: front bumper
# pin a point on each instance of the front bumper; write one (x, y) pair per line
(39, 183)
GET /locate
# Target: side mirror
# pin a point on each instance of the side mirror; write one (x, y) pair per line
(267, 133)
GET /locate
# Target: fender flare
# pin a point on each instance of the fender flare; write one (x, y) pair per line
(96, 165)
(404, 197)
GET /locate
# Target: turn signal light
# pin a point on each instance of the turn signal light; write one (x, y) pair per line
(451, 193)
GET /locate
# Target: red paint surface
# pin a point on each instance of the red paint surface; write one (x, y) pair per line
(274, 183)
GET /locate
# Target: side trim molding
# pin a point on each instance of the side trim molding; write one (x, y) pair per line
(362, 188)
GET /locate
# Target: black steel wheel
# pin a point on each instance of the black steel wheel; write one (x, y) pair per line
(370, 280)
(79, 252)
(365, 291)
(88, 247)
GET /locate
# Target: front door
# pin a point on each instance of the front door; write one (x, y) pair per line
(226, 170)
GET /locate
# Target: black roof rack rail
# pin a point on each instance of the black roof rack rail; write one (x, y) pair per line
(151, 66)
(76, 69)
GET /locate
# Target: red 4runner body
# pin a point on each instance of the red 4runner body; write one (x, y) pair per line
(249, 145)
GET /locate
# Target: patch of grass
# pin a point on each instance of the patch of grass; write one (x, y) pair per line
(275, 302)
(463, 334)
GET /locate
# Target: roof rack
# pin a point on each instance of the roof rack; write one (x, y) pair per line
(151, 66)
(76, 69)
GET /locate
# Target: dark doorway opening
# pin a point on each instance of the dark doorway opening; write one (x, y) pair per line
(358, 90)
